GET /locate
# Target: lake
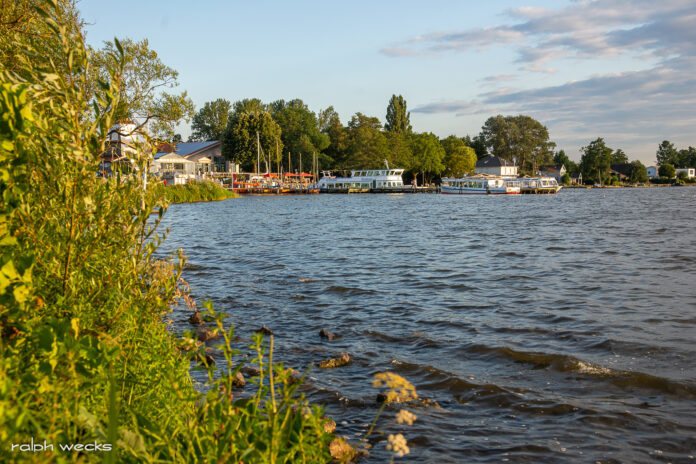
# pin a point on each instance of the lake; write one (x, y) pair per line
(550, 328)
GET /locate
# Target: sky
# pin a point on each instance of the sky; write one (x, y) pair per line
(623, 70)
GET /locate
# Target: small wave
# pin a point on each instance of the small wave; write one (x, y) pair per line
(510, 254)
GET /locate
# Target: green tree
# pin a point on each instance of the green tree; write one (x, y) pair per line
(565, 179)
(638, 173)
(330, 124)
(596, 162)
(619, 157)
(682, 175)
(210, 121)
(478, 143)
(667, 170)
(300, 131)
(142, 97)
(687, 158)
(459, 159)
(520, 139)
(398, 120)
(560, 158)
(428, 156)
(667, 154)
(399, 147)
(239, 139)
(366, 144)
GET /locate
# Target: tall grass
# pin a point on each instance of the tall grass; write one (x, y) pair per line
(85, 357)
(192, 192)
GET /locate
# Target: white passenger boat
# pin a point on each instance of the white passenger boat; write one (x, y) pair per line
(362, 180)
(480, 184)
(539, 185)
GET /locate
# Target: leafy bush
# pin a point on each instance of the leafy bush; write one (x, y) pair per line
(84, 354)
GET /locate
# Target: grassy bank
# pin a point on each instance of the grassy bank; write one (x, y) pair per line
(87, 364)
(192, 192)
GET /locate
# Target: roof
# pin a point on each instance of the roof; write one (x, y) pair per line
(491, 161)
(551, 168)
(622, 168)
(171, 157)
(576, 175)
(187, 148)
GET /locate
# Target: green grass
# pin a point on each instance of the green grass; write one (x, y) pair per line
(192, 192)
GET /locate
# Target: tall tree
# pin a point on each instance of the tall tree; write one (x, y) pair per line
(210, 121)
(239, 139)
(299, 131)
(142, 94)
(667, 154)
(520, 139)
(366, 144)
(459, 159)
(596, 161)
(687, 158)
(398, 120)
(560, 158)
(619, 157)
(638, 172)
(428, 155)
(330, 124)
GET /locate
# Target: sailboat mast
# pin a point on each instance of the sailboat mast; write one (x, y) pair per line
(258, 153)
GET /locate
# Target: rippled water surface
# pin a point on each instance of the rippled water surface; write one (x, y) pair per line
(547, 328)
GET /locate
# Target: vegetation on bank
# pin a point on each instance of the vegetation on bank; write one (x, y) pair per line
(85, 358)
(192, 192)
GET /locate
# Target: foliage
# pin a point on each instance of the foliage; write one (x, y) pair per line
(366, 145)
(192, 192)
(560, 158)
(300, 131)
(596, 162)
(565, 179)
(141, 84)
(210, 121)
(682, 175)
(478, 143)
(398, 120)
(84, 354)
(459, 159)
(667, 170)
(520, 139)
(638, 172)
(687, 158)
(239, 141)
(428, 155)
(619, 157)
(667, 154)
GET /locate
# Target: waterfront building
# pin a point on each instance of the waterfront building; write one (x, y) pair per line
(690, 172)
(496, 166)
(576, 178)
(197, 151)
(556, 171)
(652, 172)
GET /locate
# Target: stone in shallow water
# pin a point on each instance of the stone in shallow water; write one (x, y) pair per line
(343, 360)
(195, 319)
(265, 330)
(323, 333)
(239, 380)
(205, 335)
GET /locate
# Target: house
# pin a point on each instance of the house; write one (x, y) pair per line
(556, 171)
(496, 166)
(621, 170)
(576, 178)
(690, 172)
(173, 168)
(652, 172)
(212, 150)
(121, 147)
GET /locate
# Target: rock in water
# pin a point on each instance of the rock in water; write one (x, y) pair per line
(343, 360)
(205, 335)
(323, 333)
(239, 380)
(195, 319)
(265, 330)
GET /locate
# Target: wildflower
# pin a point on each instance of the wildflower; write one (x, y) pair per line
(397, 444)
(400, 389)
(405, 417)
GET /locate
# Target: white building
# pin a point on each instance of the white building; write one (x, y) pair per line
(652, 172)
(690, 172)
(496, 166)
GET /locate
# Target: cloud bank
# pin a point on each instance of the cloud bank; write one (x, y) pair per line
(634, 108)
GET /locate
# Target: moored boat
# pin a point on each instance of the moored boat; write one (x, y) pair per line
(539, 185)
(480, 184)
(362, 181)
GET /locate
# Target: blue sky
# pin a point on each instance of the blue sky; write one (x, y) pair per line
(624, 70)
